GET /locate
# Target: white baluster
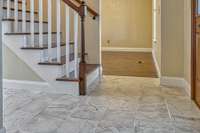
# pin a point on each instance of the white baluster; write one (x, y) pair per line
(58, 32)
(67, 39)
(49, 31)
(32, 22)
(42, 55)
(8, 8)
(16, 16)
(23, 15)
(41, 23)
(76, 44)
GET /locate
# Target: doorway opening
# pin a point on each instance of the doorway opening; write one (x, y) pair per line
(129, 38)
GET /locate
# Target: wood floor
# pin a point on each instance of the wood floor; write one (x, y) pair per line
(137, 64)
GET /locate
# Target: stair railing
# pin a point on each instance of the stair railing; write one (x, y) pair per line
(79, 9)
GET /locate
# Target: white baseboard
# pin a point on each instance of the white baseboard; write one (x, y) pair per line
(121, 49)
(176, 82)
(187, 88)
(22, 84)
(156, 63)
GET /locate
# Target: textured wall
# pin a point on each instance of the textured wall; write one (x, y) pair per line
(127, 23)
(172, 36)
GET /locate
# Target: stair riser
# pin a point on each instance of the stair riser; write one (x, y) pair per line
(19, 15)
(54, 51)
(12, 4)
(27, 39)
(9, 27)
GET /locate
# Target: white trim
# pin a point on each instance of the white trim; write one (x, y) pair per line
(22, 84)
(156, 63)
(187, 87)
(176, 82)
(172, 81)
(121, 49)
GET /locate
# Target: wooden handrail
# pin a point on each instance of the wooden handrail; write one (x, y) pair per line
(77, 8)
(90, 10)
(72, 5)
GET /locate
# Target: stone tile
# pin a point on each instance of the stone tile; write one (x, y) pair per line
(183, 107)
(16, 120)
(117, 115)
(151, 100)
(42, 123)
(76, 126)
(153, 127)
(89, 112)
(117, 105)
(118, 126)
(156, 112)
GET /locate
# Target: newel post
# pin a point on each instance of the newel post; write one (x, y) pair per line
(82, 65)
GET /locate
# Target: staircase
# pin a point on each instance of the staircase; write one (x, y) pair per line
(58, 57)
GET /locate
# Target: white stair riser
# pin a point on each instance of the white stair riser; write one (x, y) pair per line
(27, 39)
(10, 26)
(54, 51)
(19, 15)
(12, 4)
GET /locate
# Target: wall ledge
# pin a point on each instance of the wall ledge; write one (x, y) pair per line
(123, 49)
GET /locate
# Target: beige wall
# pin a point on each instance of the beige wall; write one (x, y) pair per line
(172, 36)
(187, 40)
(15, 69)
(127, 23)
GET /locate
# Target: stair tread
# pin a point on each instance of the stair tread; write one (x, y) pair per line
(27, 33)
(45, 46)
(20, 10)
(20, 20)
(89, 68)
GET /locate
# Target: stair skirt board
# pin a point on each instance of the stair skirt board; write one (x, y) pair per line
(56, 87)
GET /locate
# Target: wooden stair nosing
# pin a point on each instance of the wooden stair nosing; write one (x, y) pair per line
(64, 78)
(54, 45)
(20, 20)
(20, 10)
(27, 33)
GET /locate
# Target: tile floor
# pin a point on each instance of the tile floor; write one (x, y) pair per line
(118, 105)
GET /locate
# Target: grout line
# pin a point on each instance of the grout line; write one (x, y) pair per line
(168, 110)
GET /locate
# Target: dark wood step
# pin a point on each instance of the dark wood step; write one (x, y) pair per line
(20, 20)
(19, 10)
(27, 33)
(45, 46)
(89, 68)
